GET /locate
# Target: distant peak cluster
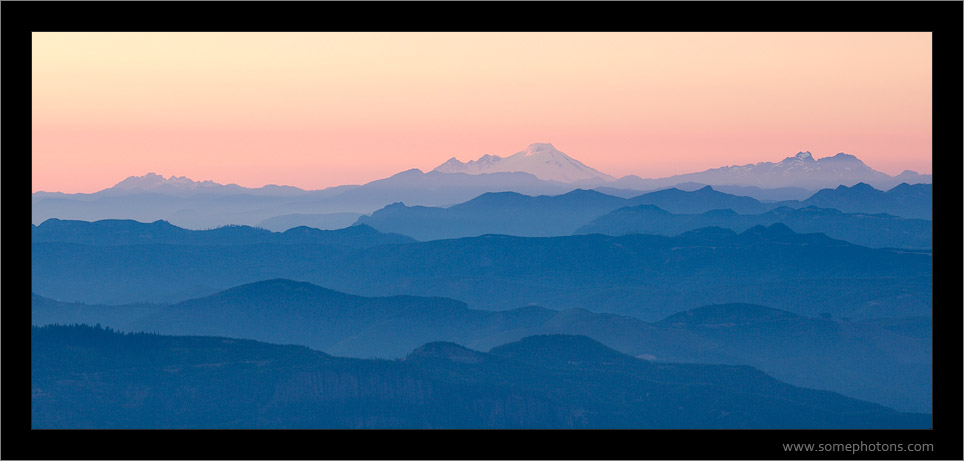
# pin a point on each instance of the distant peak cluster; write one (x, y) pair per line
(546, 163)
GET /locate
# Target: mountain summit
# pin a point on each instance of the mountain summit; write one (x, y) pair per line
(541, 160)
(154, 180)
(800, 170)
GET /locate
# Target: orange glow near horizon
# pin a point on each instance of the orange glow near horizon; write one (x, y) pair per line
(315, 110)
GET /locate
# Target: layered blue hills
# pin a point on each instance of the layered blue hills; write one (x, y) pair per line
(699, 201)
(206, 204)
(905, 200)
(886, 363)
(576, 308)
(645, 276)
(496, 213)
(153, 381)
(497, 293)
(130, 232)
(516, 214)
(872, 230)
(670, 212)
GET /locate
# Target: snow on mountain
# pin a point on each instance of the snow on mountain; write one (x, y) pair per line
(800, 170)
(541, 160)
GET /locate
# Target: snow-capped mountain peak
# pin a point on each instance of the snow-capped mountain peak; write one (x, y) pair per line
(539, 148)
(541, 160)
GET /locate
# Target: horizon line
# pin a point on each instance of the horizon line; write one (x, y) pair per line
(174, 176)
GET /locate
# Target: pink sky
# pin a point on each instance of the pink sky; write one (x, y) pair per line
(322, 109)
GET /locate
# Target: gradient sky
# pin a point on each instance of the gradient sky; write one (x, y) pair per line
(314, 110)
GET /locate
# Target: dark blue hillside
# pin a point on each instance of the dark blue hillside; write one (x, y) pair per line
(884, 361)
(512, 213)
(641, 275)
(699, 201)
(496, 213)
(129, 232)
(91, 378)
(873, 230)
(904, 200)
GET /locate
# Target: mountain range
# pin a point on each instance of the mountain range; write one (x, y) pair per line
(508, 213)
(850, 357)
(85, 377)
(795, 294)
(213, 206)
(905, 200)
(646, 276)
(800, 170)
(544, 161)
(324, 221)
(871, 230)
(540, 169)
(129, 232)
(587, 211)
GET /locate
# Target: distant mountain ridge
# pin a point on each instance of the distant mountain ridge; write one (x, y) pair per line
(699, 201)
(872, 230)
(538, 170)
(666, 212)
(324, 221)
(495, 213)
(182, 185)
(511, 213)
(639, 275)
(129, 232)
(906, 200)
(800, 170)
(218, 205)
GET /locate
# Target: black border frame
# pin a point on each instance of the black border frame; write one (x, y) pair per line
(940, 18)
